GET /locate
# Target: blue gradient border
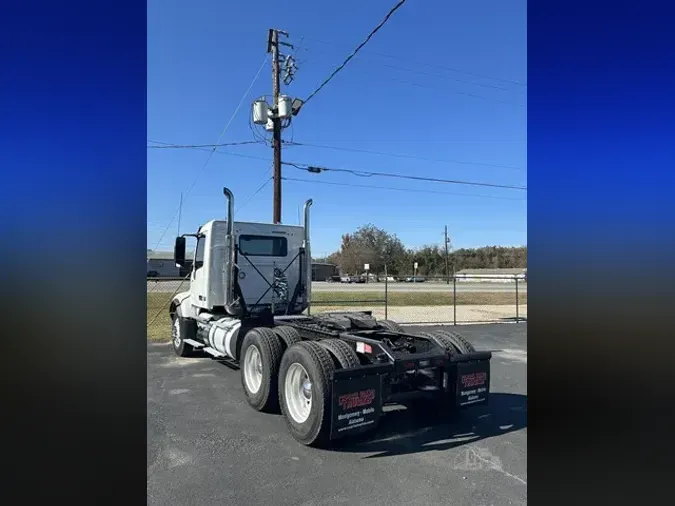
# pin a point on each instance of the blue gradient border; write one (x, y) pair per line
(73, 158)
(601, 156)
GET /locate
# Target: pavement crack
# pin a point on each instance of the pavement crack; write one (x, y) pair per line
(497, 467)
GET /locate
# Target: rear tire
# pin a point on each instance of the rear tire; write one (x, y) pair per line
(344, 355)
(390, 325)
(462, 345)
(288, 335)
(260, 357)
(441, 341)
(180, 347)
(305, 392)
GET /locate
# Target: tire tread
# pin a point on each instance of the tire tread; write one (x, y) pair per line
(270, 345)
(460, 342)
(442, 341)
(184, 350)
(344, 354)
(390, 325)
(288, 335)
(323, 363)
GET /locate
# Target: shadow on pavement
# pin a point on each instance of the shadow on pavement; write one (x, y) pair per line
(416, 429)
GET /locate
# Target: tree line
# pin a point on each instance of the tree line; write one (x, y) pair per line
(377, 247)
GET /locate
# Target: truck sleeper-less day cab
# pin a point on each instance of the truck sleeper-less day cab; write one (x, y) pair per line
(329, 374)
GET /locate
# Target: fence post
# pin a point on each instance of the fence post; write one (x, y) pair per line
(454, 300)
(386, 293)
(517, 302)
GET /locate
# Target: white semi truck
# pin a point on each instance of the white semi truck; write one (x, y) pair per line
(329, 373)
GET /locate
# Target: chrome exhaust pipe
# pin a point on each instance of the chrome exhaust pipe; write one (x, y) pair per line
(308, 256)
(229, 272)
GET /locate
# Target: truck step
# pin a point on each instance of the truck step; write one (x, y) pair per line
(193, 343)
(213, 352)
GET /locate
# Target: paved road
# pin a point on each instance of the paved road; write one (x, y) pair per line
(322, 286)
(207, 446)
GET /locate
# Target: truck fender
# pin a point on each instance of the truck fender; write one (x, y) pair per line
(181, 305)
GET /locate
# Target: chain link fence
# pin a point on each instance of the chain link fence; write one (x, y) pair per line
(459, 300)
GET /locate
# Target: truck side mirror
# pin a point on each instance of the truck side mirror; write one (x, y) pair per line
(179, 251)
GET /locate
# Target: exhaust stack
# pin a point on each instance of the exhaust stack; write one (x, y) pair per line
(308, 256)
(229, 277)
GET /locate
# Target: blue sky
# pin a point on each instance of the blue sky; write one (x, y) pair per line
(399, 95)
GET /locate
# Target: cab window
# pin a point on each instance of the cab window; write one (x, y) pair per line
(263, 246)
(199, 253)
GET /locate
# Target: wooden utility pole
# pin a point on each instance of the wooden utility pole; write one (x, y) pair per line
(180, 211)
(273, 47)
(447, 269)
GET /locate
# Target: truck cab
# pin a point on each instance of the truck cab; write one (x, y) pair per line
(246, 269)
(267, 268)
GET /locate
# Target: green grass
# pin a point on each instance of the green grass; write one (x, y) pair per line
(160, 329)
(417, 298)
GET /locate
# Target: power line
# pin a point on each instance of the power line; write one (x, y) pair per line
(360, 173)
(414, 71)
(430, 65)
(240, 155)
(417, 71)
(487, 99)
(399, 155)
(186, 146)
(444, 90)
(373, 32)
(205, 147)
(353, 150)
(375, 187)
(227, 125)
(265, 183)
(166, 145)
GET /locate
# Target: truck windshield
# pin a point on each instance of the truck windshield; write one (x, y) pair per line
(265, 246)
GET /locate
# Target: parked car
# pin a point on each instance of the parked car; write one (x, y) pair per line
(345, 279)
(415, 279)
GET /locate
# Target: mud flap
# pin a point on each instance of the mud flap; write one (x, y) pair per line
(471, 378)
(357, 398)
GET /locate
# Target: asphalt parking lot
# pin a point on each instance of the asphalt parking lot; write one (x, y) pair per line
(207, 446)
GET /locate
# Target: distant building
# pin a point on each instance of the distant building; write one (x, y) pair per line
(492, 275)
(322, 271)
(162, 265)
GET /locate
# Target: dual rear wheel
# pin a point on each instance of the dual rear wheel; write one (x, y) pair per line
(294, 379)
(282, 373)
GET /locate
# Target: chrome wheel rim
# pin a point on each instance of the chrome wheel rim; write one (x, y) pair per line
(176, 332)
(253, 370)
(298, 393)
